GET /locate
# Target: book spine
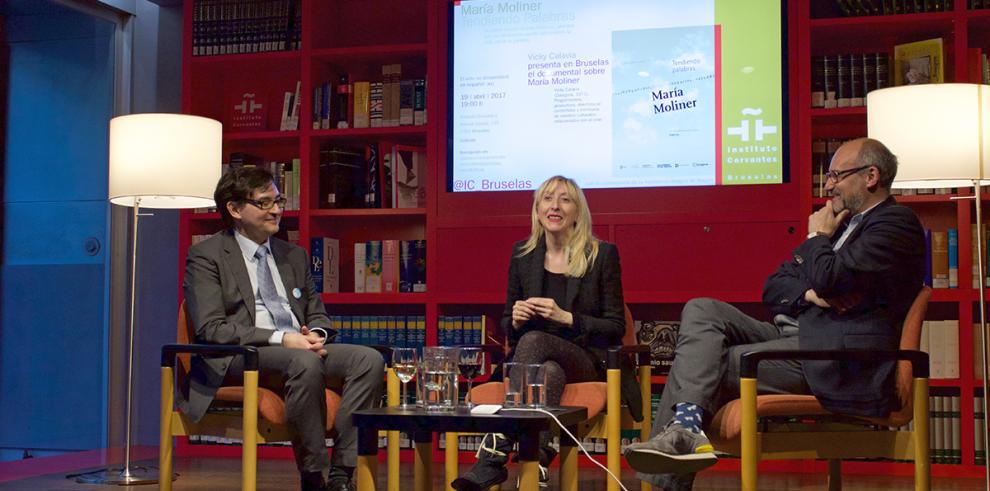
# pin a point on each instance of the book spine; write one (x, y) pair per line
(407, 96)
(953, 238)
(406, 266)
(359, 267)
(375, 104)
(316, 262)
(419, 248)
(361, 105)
(419, 102)
(343, 88)
(940, 259)
(373, 271)
(331, 265)
(390, 266)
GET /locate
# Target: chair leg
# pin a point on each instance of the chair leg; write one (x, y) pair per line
(750, 447)
(613, 421)
(249, 450)
(922, 458)
(165, 432)
(568, 464)
(834, 475)
(422, 463)
(646, 389)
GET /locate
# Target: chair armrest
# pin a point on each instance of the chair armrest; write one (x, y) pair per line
(250, 353)
(641, 352)
(919, 359)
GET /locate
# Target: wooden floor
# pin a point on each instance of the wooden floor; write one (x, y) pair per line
(216, 474)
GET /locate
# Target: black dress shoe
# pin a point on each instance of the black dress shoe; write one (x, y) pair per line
(312, 481)
(340, 485)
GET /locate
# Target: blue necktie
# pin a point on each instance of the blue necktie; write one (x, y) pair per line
(269, 295)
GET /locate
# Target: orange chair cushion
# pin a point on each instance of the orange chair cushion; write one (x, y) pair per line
(271, 407)
(727, 423)
(590, 395)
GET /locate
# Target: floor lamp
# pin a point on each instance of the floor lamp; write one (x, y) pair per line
(940, 133)
(156, 161)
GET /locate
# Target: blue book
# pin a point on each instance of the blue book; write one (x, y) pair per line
(419, 255)
(953, 258)
(316, 262)
(407, 266)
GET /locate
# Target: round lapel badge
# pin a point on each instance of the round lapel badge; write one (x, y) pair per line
(297, 293)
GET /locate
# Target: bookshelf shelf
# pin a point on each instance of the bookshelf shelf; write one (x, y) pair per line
(839, 114)
(471, 299)
(262, 137)
(374, 298)
(364, 54)
(368, 212)
(246, 58)
(834, 24)
(363, 134)
(678, 297)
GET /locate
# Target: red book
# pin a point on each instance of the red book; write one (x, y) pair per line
(390, 266)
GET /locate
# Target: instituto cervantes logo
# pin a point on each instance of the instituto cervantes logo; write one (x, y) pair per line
(247, 112)
(759, 129)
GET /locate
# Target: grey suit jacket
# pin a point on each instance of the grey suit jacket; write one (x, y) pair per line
(221, 305)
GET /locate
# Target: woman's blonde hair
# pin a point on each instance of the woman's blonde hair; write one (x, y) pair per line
(580, 246)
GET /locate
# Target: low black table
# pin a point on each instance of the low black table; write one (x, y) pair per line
(420, 425)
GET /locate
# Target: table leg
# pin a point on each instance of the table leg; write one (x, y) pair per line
(568, 461)
(423, 460)
(367, 464)
(529, 462)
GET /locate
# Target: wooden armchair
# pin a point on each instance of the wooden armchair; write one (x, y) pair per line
(798, 427)
(260, 418)
(603, 400)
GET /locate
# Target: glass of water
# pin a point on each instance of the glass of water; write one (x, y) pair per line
(536, 385)
(437, 373)
(514, 376)
(404, 364)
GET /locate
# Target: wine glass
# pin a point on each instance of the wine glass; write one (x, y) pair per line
(469, 364)
(404, 364)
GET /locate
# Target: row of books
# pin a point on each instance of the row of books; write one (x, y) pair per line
(979, 429)
(944, 428)
(455, 330)
(390, 266)
(940, 339)
(855, 8)
(402, 331)
(376, 175)
(822, 150)
(942, 266)
(365, 104)
(978, 4)
(844, 80)
(286, 174)
(225, 27)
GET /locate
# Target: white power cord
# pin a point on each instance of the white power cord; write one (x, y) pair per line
(573, 438)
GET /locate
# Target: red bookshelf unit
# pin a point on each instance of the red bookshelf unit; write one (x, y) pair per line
(675, 243)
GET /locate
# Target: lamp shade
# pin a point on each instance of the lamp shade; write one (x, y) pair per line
(165, 160)
(939, 132)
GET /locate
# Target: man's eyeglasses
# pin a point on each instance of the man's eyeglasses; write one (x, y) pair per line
(838, 175)
(267, 203)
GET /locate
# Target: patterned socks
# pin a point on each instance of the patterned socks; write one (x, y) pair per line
(689, 416)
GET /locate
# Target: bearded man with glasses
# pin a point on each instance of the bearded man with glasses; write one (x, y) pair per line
(243, 286)
(848, 285)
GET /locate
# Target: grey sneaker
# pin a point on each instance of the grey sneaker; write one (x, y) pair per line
(676, 450)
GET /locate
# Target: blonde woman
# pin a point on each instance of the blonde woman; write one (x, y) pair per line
(563, 309)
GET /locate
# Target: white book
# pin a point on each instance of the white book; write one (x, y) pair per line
(294, 111)
(923, 344)
(956, 417)
(936, 349)
(938, 422)
(950, 350)
(359, 267)
(932, 427)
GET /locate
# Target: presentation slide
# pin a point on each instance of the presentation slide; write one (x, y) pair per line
(615, 94)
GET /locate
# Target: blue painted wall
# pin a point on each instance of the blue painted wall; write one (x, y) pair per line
(53, 348)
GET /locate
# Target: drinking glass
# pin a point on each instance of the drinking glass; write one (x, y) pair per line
(436, 372)
(514, 376)
(536, 385)
(404, 364)
(469, 364)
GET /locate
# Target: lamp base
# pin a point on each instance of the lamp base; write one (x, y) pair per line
(135, 475)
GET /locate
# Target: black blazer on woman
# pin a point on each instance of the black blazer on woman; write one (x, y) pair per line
(595, 299)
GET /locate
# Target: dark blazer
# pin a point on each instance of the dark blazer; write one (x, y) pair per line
(221, 304)
(881, 266)
(595, 300)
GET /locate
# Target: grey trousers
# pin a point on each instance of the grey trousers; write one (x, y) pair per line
(712, 336)
(301, 376)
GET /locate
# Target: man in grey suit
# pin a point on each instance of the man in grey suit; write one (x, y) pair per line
(243, 286)
(848, 285)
